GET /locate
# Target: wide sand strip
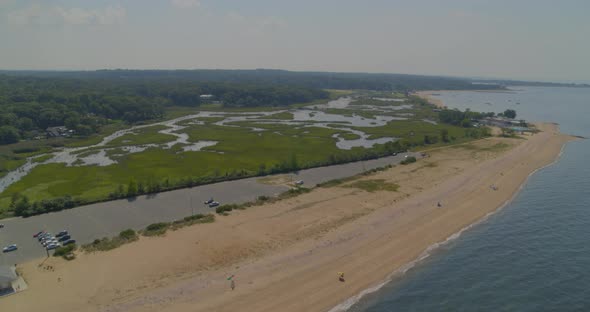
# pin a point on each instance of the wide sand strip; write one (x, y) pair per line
(285, 256)
(428, 96)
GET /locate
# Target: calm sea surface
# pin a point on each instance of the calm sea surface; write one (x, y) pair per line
(533, 255)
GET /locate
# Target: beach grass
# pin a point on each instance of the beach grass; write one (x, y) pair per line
(374, 185)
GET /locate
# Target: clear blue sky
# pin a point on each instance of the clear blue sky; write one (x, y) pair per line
(520, 39)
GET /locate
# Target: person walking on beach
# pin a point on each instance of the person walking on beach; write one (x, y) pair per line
(341, 276)
(232, 285)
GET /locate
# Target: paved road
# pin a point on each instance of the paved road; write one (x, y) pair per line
(107, 219)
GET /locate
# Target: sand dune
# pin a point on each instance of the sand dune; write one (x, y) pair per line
(285, 256)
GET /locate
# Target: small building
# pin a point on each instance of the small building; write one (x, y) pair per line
(206, 96)
(55, 132)
(496, 121)
(8, 278)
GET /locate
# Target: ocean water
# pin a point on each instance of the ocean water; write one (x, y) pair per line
(532, 255)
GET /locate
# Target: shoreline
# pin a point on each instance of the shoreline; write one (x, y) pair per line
(286, 255)
(428, 96)
(400, 272)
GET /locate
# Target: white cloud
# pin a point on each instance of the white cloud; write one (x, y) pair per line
(183, 4)
(36, 14)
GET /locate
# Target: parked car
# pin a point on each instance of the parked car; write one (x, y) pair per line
(71, 241)
(52, 246)
(1, 225)
(213, 204)
(64, 238)
(62, 233)
(209, 201)
(50, 242)
(299, 182)
(43, 236)
(9, 248)
(38, 233)
(45, 241)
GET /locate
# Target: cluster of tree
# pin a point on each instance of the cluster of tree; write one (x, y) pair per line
(31, 104)
(509, 113)
(21, 205)
(460, 118)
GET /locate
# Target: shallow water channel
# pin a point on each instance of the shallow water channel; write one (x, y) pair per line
(309, 116)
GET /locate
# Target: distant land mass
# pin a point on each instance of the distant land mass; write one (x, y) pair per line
(499, 82)
(319, 80)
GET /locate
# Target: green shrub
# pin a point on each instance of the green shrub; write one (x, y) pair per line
(64, 250)
(190, 220)
(263, 198)
(226, 208)
(408, 160)
(156, 229)
(128, 234)
(23, 150)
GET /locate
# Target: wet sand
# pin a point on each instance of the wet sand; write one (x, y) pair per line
(286, 256)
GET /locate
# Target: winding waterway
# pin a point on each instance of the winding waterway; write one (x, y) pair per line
(310, 116)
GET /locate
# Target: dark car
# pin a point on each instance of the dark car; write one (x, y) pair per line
(64, 238)
(71, 241)
(43, 236)
(62, 233)
(209, 201)
(213, 204)
(38, 233)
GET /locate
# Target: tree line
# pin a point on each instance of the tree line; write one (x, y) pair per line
(315, 80)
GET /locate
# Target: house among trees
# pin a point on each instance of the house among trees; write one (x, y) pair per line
(55, 132)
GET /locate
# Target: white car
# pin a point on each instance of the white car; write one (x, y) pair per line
(49, 242)
(47, 238)
(9, 248)
(52, 246)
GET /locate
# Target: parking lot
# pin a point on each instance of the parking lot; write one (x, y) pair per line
(109, 218)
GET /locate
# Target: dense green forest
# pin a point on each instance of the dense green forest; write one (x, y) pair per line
(84, 101)
(318, 80)
(29, 105)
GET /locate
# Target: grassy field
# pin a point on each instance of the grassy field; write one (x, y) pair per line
(281, 115)
(142, 136)
(239, 152)
(349, 136)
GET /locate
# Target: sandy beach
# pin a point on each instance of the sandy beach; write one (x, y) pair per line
(427, 95)
(285, 256)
